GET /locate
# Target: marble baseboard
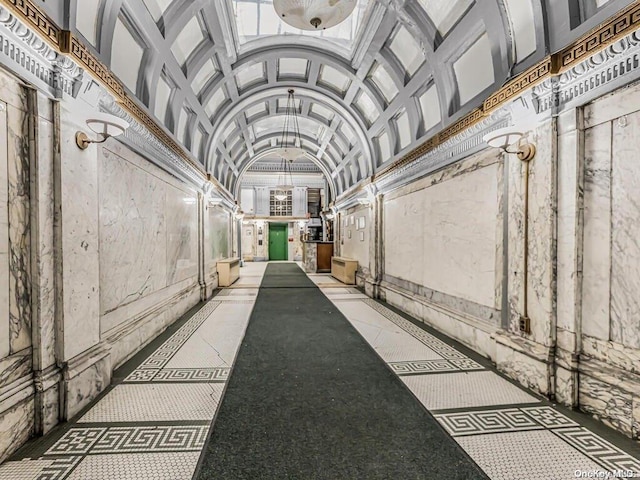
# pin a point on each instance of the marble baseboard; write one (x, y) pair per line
(85, 377)
(127, 339)
(525, 361)
(611, 395)
(17, 426)
(144, 306)
(472, 332)
(464, 306)
(611, 353)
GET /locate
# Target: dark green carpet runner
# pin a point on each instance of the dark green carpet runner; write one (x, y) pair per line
(309, 399)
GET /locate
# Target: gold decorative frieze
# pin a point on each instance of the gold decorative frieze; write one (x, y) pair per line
(71, 46)
(522, 82)
(617, 27)
(32, 16)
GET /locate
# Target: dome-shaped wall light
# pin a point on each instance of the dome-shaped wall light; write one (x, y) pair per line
(102, 124)
(503, 138)
(314, 14)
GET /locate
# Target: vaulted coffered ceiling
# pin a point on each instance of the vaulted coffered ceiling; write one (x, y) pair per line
(215, 73)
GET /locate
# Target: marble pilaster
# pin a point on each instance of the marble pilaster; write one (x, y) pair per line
(4, 238)
(569, 254)
(596, 267)
(19, 227)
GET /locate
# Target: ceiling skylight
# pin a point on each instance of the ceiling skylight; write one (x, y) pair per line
(257, 18)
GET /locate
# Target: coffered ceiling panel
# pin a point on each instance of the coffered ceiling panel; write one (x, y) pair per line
(216, 73)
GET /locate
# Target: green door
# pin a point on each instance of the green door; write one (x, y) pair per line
(278, 241)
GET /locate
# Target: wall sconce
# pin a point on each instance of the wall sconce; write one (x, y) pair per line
(101, 124)
(503, 138)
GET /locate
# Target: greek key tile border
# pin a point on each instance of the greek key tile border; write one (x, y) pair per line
(148, 369)
(138, 439)
(60, 468)
(598, 449)
(419, 367)
(503, 420)
(429, 340)
(484, 422)
(192, 374)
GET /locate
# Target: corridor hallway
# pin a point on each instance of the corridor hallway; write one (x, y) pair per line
(305, 378)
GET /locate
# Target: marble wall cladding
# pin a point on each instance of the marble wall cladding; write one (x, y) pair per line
(355, 235)
(4, 237)
(541, 234)
(79, 246)
(596, 265)
(133, 232)
(567, 247)
(444, 236)
(542, 218)
(219, 238)
(182, 235)
(19, 229)
(625, 229)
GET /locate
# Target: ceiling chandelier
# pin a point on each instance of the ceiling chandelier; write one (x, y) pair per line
(314, 14)
(290, 148)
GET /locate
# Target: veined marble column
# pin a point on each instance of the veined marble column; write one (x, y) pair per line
(44, 138)
(569, 254)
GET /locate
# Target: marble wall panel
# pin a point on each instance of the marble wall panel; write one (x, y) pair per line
(4, 236)
(596, 264)
(133, 232)
(515, 234)
(444, 236)
(625, 249)
(182, 235)
(403, 231)
(80, 242)
(542, 236)
(567, 229)
(19, 229)
(219, 238)
(356, 244)
(459, 236)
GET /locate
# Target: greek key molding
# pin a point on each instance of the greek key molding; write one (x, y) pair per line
(622, 24)
(591, 78)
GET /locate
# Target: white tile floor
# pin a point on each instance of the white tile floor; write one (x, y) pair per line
(177, 389)
(140, 466)
(534, 442)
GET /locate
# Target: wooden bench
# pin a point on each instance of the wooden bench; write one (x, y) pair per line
(344, 269)
(228, 271)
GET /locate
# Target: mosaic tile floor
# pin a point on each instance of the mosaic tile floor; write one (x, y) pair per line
(508, 432)
(154, 423)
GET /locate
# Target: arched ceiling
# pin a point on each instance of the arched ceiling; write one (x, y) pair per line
(216, 72)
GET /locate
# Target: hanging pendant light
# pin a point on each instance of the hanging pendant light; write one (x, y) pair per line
(290, 148)
(314, 14)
